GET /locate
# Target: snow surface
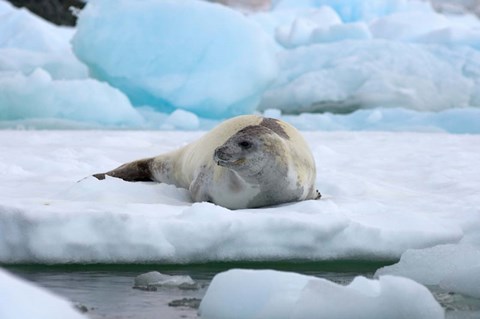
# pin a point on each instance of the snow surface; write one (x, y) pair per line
(273, 294)
(21, 299)
(383, 193)
(397, 57)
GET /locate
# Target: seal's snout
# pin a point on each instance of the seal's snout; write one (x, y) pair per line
(221, 155)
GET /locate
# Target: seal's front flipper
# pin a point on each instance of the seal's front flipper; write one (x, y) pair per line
(136, 171)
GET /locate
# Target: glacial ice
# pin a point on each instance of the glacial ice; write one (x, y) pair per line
(336, 81)
(399, 57)
(193, 55)
(39, 96)
(42, 80)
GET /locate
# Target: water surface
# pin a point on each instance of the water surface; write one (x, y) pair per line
(105, 291)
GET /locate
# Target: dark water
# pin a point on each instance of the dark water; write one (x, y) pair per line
(105, 291)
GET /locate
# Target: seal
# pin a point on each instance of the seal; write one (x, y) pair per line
(245, 162)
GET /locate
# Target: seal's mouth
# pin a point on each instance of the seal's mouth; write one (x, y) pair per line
(223, 157)
(230, 163)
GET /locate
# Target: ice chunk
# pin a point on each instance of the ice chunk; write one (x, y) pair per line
(431, 265)
(340, 32)
(344, 76)
(466, 281)
(349, 10)
(186, 302)
(407, 25)
(272, 294)
(60, 66)
(453, 267)
(28, 42)
(40, 78)
(20, 299)
(37, 95)
(319, 25)
(193, 55)
(300, 30)
(460, 120)
(272, 113)
(458, 36)
(23, 30)
(297, 34)
(182, 120)
(155, 279)
(391, 74)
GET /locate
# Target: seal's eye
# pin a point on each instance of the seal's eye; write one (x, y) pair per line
(245, 144)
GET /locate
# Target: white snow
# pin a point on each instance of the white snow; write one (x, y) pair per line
(21, 299)
(383, 193)
(277, 295)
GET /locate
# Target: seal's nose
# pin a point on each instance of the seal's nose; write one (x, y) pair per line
(221, 154)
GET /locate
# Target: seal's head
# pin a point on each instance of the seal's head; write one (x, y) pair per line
(249, 150)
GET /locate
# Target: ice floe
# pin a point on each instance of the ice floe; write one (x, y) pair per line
(21, 299)
(266, 294)
(383, 193)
